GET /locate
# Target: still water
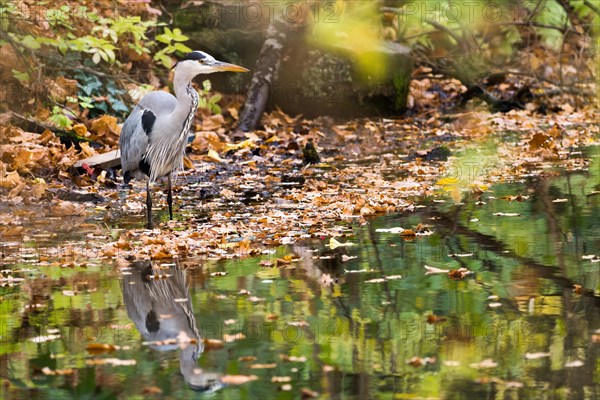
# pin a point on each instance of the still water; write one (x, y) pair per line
(337, 322)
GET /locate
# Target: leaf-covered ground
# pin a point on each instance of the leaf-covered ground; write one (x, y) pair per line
(236, 199)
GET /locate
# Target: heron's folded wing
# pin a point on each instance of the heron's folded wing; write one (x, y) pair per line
(133, 140)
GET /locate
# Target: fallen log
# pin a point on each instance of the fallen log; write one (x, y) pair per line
(111, 159)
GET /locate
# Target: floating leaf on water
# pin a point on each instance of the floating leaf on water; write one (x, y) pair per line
(266, 263)
(152, 390)
(213, 344)
(298, 323)
(513, 384)
(263, 366)
(434, 270)
(281, 379)
(419, 362)
(451, 363)
(435, 319)
(390, 230)
(238, 379)
(67, 208)
(501, 214)
(574, 364)
(357, 271)
(285, 357)
(535, 356)
(334, 244)
(307, 393)
(42, 339)
(247, 358)
(393, 277)
(99, 348)
(48, 371)
(111, 361)
(232, 338)
(487, 363)
(458, 274)
(461, 255)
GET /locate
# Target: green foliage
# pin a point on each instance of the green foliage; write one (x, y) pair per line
(173, 39)
(207, 101)
(62, 117)
(109, 97)
(105, 45)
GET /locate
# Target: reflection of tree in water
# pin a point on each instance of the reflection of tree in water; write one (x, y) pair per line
(161, 309)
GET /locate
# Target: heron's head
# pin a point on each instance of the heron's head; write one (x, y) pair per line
(198, 62)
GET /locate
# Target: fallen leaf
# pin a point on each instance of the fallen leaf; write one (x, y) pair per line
(434, 319)
(214, 156)
(238, 379)
(535, 356)
(66, 208)
(263, 366)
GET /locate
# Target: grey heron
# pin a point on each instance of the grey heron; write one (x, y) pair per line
(154, 135)
(161, 308)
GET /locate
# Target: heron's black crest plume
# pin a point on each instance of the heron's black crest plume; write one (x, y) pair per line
(193, 55)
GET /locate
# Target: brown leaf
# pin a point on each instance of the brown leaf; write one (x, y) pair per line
(10, 179)
(213, 122)
(17, 190)
(213, 344)
(458, 274)
(38, 189)
(308, 394)
(67, 208)
(540, 141)
(434, 319)
(152, 390)
(99, 348)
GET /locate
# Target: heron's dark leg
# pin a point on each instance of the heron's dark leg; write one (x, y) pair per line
(149, 204)
(170, 197)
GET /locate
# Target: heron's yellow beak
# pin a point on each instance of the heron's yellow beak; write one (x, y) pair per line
(223, 66)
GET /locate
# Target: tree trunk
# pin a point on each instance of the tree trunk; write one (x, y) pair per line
(265, 77)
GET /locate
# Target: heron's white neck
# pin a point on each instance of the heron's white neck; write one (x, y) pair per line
(187, 102)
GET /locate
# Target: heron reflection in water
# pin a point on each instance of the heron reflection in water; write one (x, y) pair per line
(161, 309)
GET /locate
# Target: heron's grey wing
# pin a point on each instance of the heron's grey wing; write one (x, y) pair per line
(132, 142)
(134, 137)
(160, 103)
